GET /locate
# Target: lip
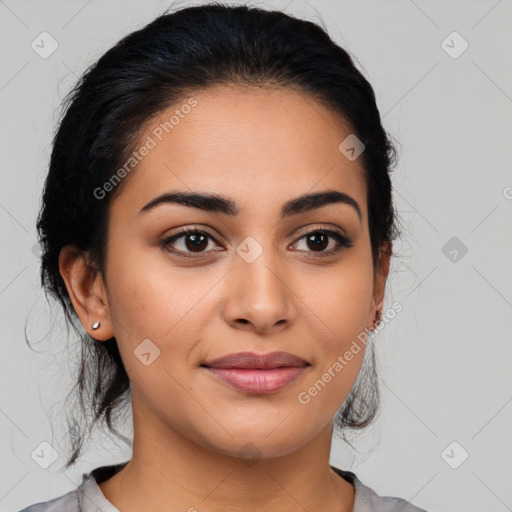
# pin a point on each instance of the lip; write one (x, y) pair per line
(257, 373)
(252, 360)
(258, 381)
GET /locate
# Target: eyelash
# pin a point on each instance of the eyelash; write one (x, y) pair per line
(342, 240)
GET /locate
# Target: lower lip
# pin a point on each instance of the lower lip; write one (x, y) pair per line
(258, 381)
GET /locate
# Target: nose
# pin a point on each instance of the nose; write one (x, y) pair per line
(259, 296)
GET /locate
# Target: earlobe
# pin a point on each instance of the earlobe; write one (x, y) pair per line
(380, 281)
(86, 292)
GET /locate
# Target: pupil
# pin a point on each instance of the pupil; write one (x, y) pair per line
(198, 239)
(320, 245)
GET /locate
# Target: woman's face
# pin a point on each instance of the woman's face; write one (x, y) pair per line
(250, 281)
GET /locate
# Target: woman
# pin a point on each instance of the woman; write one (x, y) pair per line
(218, 216)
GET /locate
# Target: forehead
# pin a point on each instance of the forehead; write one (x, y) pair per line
(251, 144)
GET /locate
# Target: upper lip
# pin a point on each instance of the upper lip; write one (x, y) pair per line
(254, 360)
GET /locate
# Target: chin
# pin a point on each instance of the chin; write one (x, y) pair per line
(252, 445)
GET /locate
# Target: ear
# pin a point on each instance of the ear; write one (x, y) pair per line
(379, 284)
(87, 292)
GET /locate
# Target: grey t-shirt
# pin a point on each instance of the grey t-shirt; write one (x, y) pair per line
(87, 497)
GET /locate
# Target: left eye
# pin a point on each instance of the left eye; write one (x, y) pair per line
(196, 241)
(318, 238)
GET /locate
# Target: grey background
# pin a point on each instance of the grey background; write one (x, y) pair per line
(444, 360)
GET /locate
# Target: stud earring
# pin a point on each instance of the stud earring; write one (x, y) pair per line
(95, 325)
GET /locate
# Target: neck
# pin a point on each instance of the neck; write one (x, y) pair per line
(170, 471)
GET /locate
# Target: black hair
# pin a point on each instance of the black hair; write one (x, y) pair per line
(148, 71)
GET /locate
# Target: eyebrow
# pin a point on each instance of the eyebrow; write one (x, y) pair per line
(220, 204)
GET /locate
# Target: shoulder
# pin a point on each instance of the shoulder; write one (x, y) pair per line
(367, 500)
(87, 497)
(66, 503)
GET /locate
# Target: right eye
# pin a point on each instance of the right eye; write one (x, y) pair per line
(193, 241)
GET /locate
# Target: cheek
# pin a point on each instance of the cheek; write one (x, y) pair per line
(153, 300)
(339, 354)
(339, 301)
(150, 297)
(337, 309)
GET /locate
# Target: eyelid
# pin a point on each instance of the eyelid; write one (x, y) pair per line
(330, 228)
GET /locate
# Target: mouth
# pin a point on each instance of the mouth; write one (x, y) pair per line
(257, 373)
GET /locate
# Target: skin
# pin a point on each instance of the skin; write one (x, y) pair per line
(259, 147)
